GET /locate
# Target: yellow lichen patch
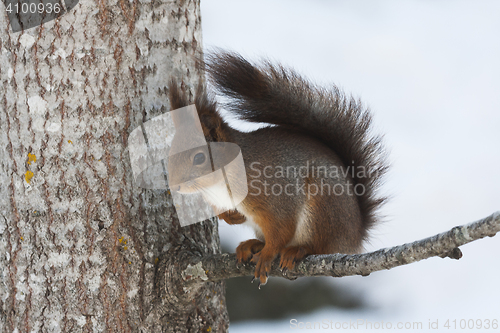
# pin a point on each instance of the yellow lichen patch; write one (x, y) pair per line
(125, 241)
(120, 239)
(28, 176)
(130, 262)
(69, 141)
(31, 158)
(125, 248)
(209, 329)
(22, 238)
(156, 260)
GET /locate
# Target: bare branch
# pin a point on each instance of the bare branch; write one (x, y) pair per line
(223, 266)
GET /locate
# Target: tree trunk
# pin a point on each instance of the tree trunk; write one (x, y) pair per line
(82, 248)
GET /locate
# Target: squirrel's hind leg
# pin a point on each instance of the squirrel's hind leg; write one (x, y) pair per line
(293, 254)
(275, 241)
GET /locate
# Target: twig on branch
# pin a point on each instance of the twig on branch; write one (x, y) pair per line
(223, 266)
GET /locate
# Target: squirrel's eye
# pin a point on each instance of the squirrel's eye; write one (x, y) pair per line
(199, 159)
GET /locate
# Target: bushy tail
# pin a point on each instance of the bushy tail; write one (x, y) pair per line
(273, 94)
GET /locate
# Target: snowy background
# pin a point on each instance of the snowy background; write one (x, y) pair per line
(430, 73)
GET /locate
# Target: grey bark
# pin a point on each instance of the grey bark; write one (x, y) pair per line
(198, 270)
(81, 248)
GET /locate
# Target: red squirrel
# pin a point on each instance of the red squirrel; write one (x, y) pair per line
(313, 173)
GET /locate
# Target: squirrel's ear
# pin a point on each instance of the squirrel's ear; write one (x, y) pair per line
(176, 96)
(205, 102)
(207, 112)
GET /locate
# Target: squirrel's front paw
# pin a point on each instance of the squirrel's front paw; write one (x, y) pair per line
(247, 249)
(232, 217)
